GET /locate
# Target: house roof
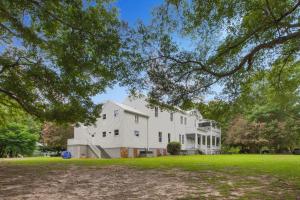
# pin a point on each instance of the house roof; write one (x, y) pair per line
(130, 109)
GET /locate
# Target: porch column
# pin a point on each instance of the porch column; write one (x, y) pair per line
(200, 140)
(196, 141)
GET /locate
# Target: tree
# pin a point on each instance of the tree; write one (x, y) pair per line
(192, 45)
(246, 135)
(17, 139)
(55, 136)
(270, 102)
(56, 55)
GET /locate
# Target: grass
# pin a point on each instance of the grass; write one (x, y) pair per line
(242, 176)
(283, 166)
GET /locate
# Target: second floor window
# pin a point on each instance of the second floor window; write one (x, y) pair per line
(171, 116)
(181, 120)
(136, 118)
(156, 111)
(185, 120)
(104, 134)
(104, 116)
(116, 132)
(159, 136)
(169, 137)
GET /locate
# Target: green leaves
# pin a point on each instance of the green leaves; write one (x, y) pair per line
(58, 54)
(17, 139)
(216, 42)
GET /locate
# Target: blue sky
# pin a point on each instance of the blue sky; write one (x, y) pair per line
(130, 11)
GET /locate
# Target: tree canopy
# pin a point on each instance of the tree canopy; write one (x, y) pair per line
(56, 55)
(192, 45)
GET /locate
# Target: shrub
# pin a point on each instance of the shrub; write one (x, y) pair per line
(173, 148)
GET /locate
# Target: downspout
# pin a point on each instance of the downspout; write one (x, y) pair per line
(147, 134)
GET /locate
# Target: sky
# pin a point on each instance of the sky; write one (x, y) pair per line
(130, 11)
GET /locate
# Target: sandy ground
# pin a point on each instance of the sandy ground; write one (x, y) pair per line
(120, 182)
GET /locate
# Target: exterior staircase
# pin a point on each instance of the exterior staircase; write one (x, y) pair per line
(95, 150)
(104, 154)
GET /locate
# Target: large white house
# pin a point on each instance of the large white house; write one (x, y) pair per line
(134, 129)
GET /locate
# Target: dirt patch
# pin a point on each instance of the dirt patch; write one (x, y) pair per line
(120, 182)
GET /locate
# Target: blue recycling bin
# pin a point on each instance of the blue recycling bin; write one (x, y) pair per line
(66, 155)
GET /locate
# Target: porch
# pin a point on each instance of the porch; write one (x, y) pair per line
(207, 144)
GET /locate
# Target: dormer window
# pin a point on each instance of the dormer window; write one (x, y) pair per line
(116, 112)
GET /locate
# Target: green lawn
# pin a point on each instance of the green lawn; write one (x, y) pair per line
(284, 166)
(215, 176)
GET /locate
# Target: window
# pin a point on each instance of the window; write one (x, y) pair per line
(116, 132)
(156, 111)
(104, 116)
(171, 116)
(181, 120)
(104, 134)
(199, 139)
(185, 120)
(136, 118)
(159, 136)
(116, 112)
(169, 137)
(218, 141)
(203, 139)
(213, 140)
(179, 138)
(182, 139)
(137, 133)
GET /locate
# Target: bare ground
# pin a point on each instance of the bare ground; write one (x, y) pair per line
(121, 182)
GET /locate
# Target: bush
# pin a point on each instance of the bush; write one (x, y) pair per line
(16, 139)
(173, 148)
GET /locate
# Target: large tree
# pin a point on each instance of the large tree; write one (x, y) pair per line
(55, 55)
(192, 45)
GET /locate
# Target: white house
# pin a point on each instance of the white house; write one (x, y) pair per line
(133, 128)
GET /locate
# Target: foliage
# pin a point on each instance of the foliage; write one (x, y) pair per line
(17, 139)
(56, 55)
(270, 112)
(55, 136)
(174, 148)
(192, 45)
